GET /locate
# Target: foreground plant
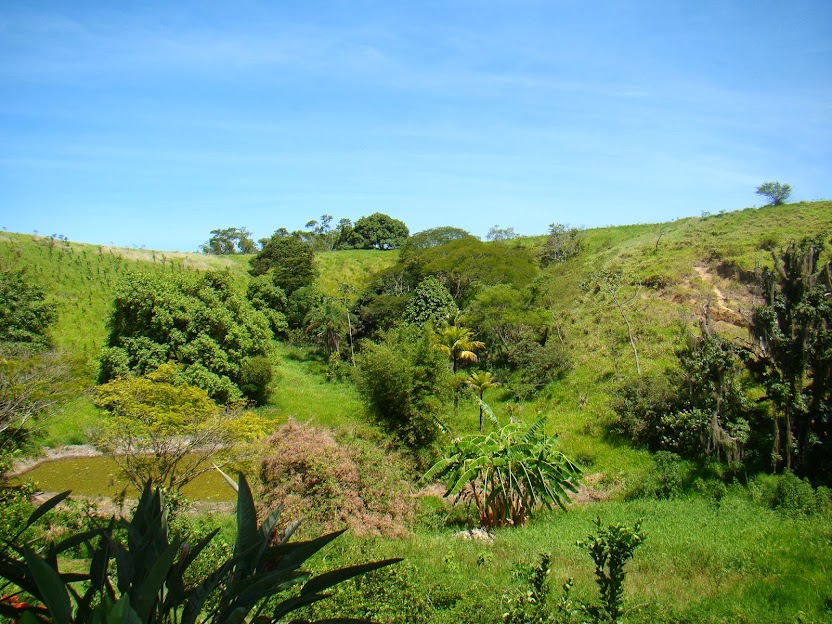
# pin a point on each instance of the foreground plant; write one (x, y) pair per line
(261, 582)
(507, 473)
(611, 547)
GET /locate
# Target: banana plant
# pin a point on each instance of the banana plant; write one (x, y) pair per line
(263, 580)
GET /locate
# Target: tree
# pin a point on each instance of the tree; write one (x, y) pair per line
(161, 429)
(290, 261)
(378, 231)
(776, 192)
(480, 381)
(430, 303)
(507, 473)
(269, 298)
(199, 321)
(622, 292)
(31, 383)
(404, 379)
(25, 315)
(327, 323)
(229, 241)
(458, 343)
(498, 234)
(562, 244)
(433, 237)
(792, 355)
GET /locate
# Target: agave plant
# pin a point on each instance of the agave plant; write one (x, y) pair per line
(261, 582)
(507, 473)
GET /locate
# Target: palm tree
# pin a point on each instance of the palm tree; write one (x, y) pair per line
(481, 381)
(326, 323)
(458, 343)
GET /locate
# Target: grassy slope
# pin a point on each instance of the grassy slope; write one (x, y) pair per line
(733, 562)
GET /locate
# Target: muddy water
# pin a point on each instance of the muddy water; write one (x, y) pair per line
(99, 476)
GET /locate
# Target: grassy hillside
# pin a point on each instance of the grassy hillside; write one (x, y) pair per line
(714, 555)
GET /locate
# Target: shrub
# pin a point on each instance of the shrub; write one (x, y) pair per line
(201, 322)
(354, 483)
(404, 379)
(539, 364)
(790, 495)
(507, 473)
(255, 377)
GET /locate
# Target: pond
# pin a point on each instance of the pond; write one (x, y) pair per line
(100, 476)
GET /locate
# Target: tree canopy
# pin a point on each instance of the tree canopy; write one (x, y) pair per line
(25, 315)
(776, 192)
(378, 231)
(229, 241)
(290, 261)
(433, 237)
(199, 321)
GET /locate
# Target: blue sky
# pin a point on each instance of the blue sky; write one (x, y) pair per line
(152, 123)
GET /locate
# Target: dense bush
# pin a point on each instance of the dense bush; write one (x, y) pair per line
(404, 379)
(430, 303)
(353, 482)
(267, 297)
(537, 364)
(201, 322)
(25, 315)
(792, 496)
(290, 262)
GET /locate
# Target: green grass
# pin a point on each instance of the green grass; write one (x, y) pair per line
(701, 562)
(354, 268)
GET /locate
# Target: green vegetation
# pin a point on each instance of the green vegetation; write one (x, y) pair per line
(507, 473)
(158, 428)
(778, 193)
(686, 444)
(150, 582)
(202, 322)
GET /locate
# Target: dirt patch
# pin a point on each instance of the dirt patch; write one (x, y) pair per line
(590, 492)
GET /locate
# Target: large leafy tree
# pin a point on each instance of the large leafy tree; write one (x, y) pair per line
(433, 237)
(199, 321)
(378, 231)
(162, 429)
(793, 355)
(290, 261)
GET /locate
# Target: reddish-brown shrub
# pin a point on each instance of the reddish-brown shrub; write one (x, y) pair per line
(332, 484)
